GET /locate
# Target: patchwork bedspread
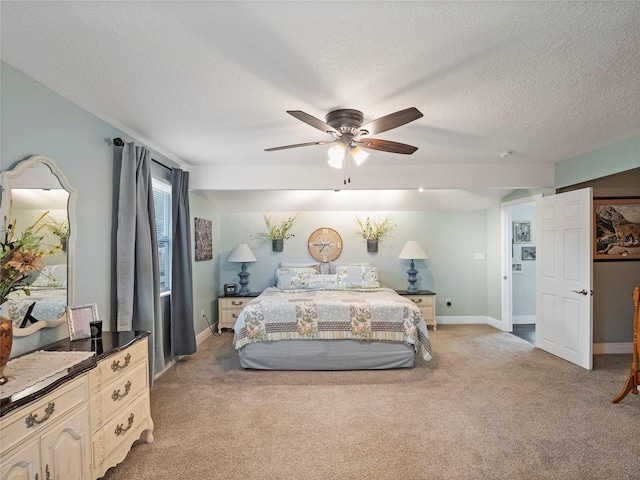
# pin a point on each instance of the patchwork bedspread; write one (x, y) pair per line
(373, 315)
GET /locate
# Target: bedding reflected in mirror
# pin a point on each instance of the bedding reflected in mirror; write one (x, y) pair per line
(33, 188)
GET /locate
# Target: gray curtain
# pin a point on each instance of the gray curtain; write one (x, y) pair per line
(183, 338)
(137, 272)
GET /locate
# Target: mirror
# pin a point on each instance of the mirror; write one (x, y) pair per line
(33, 187)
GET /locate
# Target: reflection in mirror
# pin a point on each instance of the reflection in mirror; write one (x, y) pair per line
(34, 187)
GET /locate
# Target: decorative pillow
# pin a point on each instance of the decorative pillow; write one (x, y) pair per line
(293, 278)
(333, 266)
(354, 276)
(47, 278)
(323, 282)
(316, 266)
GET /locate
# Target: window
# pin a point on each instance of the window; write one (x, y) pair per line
(162, 204)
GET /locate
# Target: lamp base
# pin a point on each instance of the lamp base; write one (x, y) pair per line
(413, 278)
(244, 281)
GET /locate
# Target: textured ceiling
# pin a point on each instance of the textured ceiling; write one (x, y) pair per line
(209, 83)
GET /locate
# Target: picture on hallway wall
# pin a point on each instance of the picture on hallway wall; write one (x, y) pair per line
(528, 253)
(522, 232)
(516, 268)
(204, 242)
(616, 228)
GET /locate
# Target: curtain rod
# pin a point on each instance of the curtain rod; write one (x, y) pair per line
(118, 142)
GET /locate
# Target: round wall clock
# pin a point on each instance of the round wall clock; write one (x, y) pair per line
(325, 244)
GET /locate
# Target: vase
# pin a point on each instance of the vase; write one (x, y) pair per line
(6, 341)
(277, 245)
(372, 245)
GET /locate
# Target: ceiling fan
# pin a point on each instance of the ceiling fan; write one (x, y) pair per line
(350, 136)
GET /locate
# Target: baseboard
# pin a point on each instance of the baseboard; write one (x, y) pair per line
(203, 335)
(612, 348)
(518, 319)
(462, 320)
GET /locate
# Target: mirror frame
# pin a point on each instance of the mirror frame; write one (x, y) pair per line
(6, 178)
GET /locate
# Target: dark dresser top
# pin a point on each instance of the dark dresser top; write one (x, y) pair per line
(109, 344)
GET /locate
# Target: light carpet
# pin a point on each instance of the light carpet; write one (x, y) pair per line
(488, 406)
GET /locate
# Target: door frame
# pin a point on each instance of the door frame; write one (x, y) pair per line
(506, 324)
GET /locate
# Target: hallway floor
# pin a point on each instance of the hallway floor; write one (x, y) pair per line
(525, 331)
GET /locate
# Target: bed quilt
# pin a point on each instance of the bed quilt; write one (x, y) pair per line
(372, 315)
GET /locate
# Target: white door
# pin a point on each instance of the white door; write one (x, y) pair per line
(564, 273)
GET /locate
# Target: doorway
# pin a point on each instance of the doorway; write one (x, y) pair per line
(519, 268)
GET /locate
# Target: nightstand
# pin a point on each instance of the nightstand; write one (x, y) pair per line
(229, 308)
(426, 300)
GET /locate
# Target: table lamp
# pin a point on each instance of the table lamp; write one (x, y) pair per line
(412, 251)
(242, 254)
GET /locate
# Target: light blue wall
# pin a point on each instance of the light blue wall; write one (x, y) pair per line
(37, 121)
(615, 158)
(450, 239)
(524, 284)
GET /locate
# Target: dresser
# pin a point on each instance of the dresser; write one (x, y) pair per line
(229, 308)
(426, 300)
(119, 407)
(82, 421)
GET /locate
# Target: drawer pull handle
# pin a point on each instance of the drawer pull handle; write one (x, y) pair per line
(115, 366)
(236, 304)
(416, 300)
(32, 419)
(234, 315)
(116, 395)
(120, 429)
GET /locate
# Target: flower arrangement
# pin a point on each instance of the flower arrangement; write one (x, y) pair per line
(278, 231)
(372, 230)
(22, 256)
(60, 228)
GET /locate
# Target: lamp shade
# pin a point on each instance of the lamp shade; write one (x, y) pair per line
(242, 253)
(412, 251)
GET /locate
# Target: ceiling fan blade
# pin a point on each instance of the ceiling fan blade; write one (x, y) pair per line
(313, 121)
(390, 121)
(387, 146)
(308, 144)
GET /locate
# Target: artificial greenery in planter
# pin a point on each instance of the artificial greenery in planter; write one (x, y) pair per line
(374, 231)
(277, 233)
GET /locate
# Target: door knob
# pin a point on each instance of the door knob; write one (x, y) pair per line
(581, 292)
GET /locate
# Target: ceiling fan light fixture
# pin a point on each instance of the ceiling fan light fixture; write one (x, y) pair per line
(337, 154)
(358, 155)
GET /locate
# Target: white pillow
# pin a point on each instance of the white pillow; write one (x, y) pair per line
(354, 276)
(333, 266)
(293, 278)
(316, 266)
(323, 282)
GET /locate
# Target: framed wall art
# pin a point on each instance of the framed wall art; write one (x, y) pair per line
(516, 268)
(528, 253)
(204, 243)
(522, 232)
(616, 228)
(79, 319)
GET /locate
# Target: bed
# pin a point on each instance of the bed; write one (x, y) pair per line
(49, 293)
(341, 321)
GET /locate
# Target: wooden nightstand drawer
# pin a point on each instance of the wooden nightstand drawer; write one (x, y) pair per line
(229, 309)
(427, 304)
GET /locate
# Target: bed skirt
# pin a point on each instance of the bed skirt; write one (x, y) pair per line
(326, 355)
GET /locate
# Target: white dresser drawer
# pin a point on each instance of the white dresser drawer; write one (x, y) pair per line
(113, 441)
(119, 364)
(32, 418)
(118, 394)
